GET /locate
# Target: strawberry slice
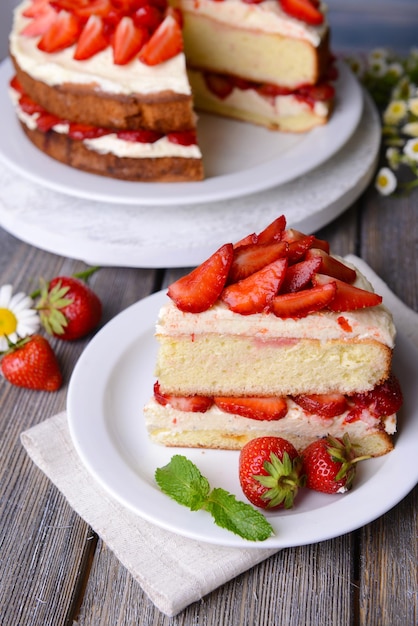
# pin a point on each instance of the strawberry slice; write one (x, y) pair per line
(303, 10)
(141, 135)
(199, 290)
(165, 43)
(291, 235)
(63, 33)
(298, 248)
(189, 404)
(347, 297)
(383, 400)
(93, 39)
(15, 84)
(101, 8)
(253, 257)
(316, 93)
(41, 22)
(221, 86)
(127, 41)
(29, 106)
(45, 121)
(37, 8)
(299, 275)
(273, 232)
(183, 137)
(304, 302)
(326, 405)
(274, 408)
(255, 293)
(85, 131)
(331, 266)
(148, 16)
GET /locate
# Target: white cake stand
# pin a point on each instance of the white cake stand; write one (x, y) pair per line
(184, 235)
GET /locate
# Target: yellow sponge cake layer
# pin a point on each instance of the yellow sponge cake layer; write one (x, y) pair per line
(258, 56)
(247, 366)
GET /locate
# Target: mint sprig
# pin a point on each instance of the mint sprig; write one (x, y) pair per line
(182, 481)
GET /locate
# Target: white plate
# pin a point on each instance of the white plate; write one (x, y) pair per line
(114, 379)
(239, 158)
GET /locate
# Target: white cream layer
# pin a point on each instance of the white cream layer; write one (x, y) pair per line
(99, 71)
(113, 144)
(374, 323)
(267, 17)
(296, 421)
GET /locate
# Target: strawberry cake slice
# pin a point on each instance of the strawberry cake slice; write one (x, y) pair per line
(261, 61)
(274, 335)
(101, 85)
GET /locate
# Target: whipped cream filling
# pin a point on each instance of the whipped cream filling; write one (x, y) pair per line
(112, 143)
(296, 421)
(271, 106)
(267, 17)
(374, 323)
(98, 72)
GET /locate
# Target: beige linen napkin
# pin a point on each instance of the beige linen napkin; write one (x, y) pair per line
(184, 570)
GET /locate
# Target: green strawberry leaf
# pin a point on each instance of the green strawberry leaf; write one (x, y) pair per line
(182, 481)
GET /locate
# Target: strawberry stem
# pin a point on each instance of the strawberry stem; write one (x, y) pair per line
(84, 275)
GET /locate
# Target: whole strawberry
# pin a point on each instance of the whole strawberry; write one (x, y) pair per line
(32, 363)
(330, 464)
(68, 308)
(270, 472)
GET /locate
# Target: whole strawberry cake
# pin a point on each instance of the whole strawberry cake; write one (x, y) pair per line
(274, 336)
(106, 85)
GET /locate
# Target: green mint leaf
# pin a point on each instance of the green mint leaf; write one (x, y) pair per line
(182, 481)
(237, 516)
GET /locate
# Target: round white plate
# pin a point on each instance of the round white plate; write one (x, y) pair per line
(184, 235)
(239, 158)
(114, 379)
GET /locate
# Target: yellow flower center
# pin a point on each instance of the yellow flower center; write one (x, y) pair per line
(8, 322)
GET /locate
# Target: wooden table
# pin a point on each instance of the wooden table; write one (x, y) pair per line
(55, 571)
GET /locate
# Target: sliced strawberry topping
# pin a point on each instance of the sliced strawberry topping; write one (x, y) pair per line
(290, 235)
(183, 138)
(127, 41)
(165, 43)
(189, 404)
(15, 84)
(385, 399)
(255, 293)
(62, 33)
(299, 275)
(303, 10)
(303, 303)
(141, 135)
(253, 257)
(199, 290)
(84, 131)
(41, 23)
(148, 16)
(45, 121)
(101, 8)
(325, 405)
(93, 39)
(273, 232)
(347, 297)
(332, 266)
(29, 106)
(37, 8)
(219, 84)
(274, 408)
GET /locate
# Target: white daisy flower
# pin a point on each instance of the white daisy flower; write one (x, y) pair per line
(411, 129)
(413, 106)
(395, 69)
(385, 182)
(394, 158)
(411, 149)
(17, 318)
(395, 112)
(378, 54)
(378, 67)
